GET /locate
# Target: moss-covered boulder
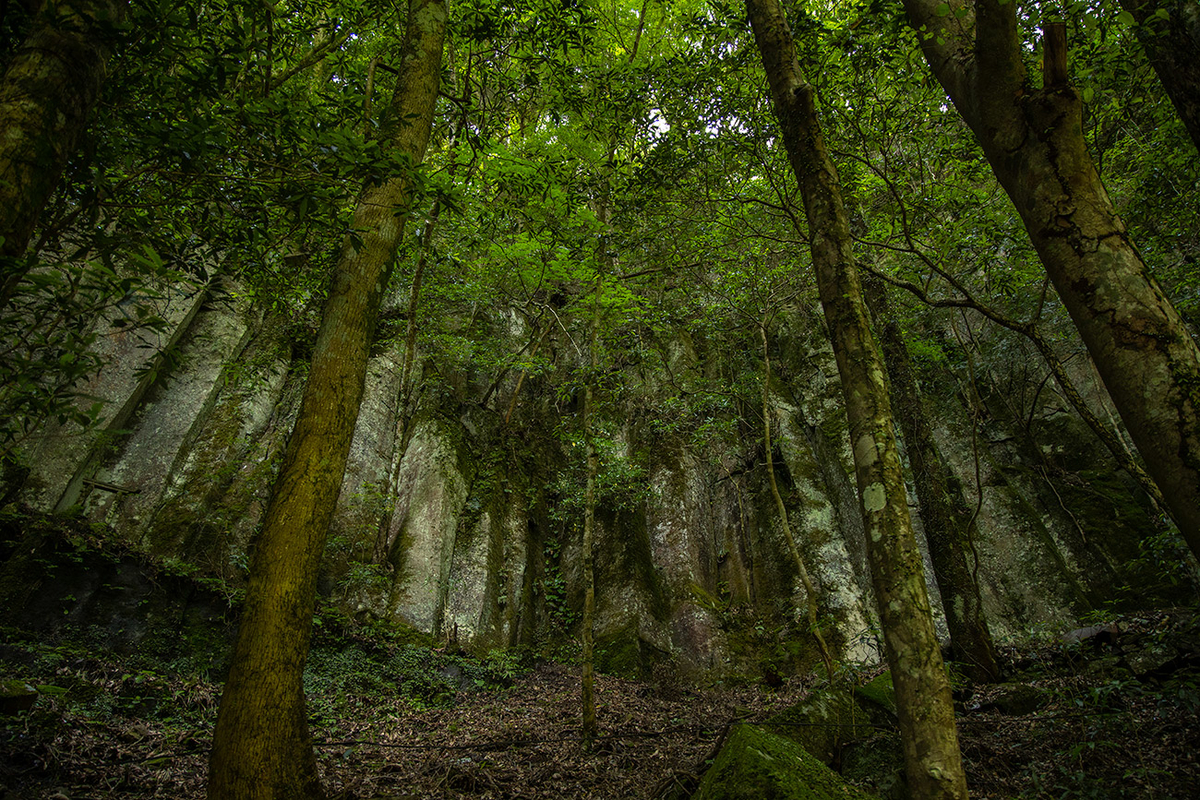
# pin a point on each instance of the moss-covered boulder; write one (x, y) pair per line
(878, 699)
(16, 696)
(823, 723)
(757, 765)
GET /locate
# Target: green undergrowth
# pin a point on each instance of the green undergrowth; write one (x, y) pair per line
(77, 679)
(343, 670)
(113, 643)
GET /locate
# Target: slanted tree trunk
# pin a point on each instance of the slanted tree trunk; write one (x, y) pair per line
(47, 93)
(261, 746)
(1173, 46)
(1033, 139)
(947, 520)
(932, 759)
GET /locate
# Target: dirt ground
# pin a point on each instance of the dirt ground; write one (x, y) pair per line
(1074, 721)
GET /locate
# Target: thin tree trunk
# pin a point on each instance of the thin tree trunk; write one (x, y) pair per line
(47, 93)
(1030, 331)
(810, 591)
(587, 688)
(588, 694)
(414, 299)
(932, 759)
(512, 403)
(1034, 142)
(261, 746)
(1173, 47)
(970, 639)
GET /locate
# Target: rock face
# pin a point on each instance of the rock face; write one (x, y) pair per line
(461, 511)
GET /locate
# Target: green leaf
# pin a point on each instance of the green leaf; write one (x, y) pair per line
(942, 9)
(1125, 18)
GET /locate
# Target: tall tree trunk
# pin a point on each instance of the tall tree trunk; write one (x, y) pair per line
(587, 687)
(261, 747)
(932, 759)
(1033, 139)
(942, 508)
(810, 591)
(1173, 46)
(47, 93)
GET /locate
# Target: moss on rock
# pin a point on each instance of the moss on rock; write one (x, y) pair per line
(876, 696)
(755, 764)
(823, 723)
(626, 654)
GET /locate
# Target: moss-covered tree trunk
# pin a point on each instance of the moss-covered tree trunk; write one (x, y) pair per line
(932, 759)
(947, 520)
(261, 747)
(1033, 139)
(1173, 47)
(47, 93)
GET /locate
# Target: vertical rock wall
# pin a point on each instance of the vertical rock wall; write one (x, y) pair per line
(464, 525)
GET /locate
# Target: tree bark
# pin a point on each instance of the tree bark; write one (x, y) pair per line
(47, 93)
(587, 681)
(1173, 47)
(932, 759)
(941, 507)
(1034, 142)
(261, 746)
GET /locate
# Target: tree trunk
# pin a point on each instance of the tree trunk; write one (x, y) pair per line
(941, 507)
(1173, 47)
(932, 759)
(1034, 142)
(587, 688)
(261, 747)
(47, 93)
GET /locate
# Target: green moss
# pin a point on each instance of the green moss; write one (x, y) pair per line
(625, 654)
(634, 557)
(758, 646)
(756, 765)
(823, 723)
(878, 694)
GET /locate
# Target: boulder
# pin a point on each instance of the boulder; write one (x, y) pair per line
(878, 699)
(755, 764)
(16, 696)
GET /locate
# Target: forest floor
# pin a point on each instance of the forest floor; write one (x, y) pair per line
(1074, 721)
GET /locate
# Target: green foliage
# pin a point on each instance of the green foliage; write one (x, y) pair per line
(560, 614)
(54, 331)
(341, 673)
